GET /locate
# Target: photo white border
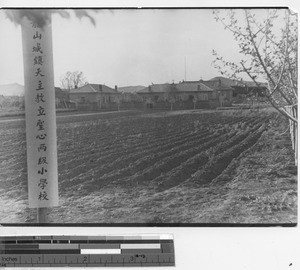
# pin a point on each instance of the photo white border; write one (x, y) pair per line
(195, 248)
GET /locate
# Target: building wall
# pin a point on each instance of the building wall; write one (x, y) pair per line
(217, 98)
(83, 97)
(96, 101)
(186, 96)
(225, 98)
(131, 97)
(183, 100)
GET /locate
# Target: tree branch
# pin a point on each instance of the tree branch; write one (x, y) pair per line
(282, 111)
(228, 27)
(260, 59)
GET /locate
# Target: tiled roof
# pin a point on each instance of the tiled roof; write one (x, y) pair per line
(130, 89)
(93, 88)
(193, 87)
(253, 84)
(179, 87)
(217, 85)
(224, 81)
(232, 83)
(158, 88)
(102, 88)
(145, 90)
(83, 89)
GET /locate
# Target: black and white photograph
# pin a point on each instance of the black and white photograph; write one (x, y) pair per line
(152, 116)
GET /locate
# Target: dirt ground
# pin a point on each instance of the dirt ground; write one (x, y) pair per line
(168, 167)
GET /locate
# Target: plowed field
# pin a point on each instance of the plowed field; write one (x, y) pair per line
(175, 167)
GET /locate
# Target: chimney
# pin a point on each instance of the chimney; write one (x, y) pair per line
(100, 87)
(149, 88)
(116, 88)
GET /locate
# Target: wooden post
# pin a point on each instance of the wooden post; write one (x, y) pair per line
(42, 215)
(40, 117)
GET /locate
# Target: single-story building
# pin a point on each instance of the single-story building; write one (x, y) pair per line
(187, 94)
(95, 97)
(12, 102)
(252, 89)
(244, 88)
(223, 93)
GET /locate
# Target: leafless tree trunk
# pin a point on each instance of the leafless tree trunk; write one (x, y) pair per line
(270, 53)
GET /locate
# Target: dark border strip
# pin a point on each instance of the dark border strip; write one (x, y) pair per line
(39, 251)
(225, 225)
(150, 224)
(146, 8)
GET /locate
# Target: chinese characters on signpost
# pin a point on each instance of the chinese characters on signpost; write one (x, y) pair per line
(40, 115)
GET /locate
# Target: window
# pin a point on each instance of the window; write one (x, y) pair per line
(82, 99)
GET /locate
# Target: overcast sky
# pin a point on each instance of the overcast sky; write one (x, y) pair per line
(126, 47)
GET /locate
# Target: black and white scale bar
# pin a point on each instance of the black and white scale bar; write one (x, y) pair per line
(94, 251)
(55, 260)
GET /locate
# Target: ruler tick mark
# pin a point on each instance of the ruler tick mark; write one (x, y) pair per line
(54, 255)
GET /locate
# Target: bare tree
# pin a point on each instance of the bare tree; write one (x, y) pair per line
(171, 96)
(195, 100)
(73, 80)
(268, 47)
(118, 99)
(269, 52)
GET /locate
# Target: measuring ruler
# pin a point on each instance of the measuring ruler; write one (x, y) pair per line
(92, 251)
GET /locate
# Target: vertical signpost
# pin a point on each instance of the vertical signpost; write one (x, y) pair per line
(40, 117)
